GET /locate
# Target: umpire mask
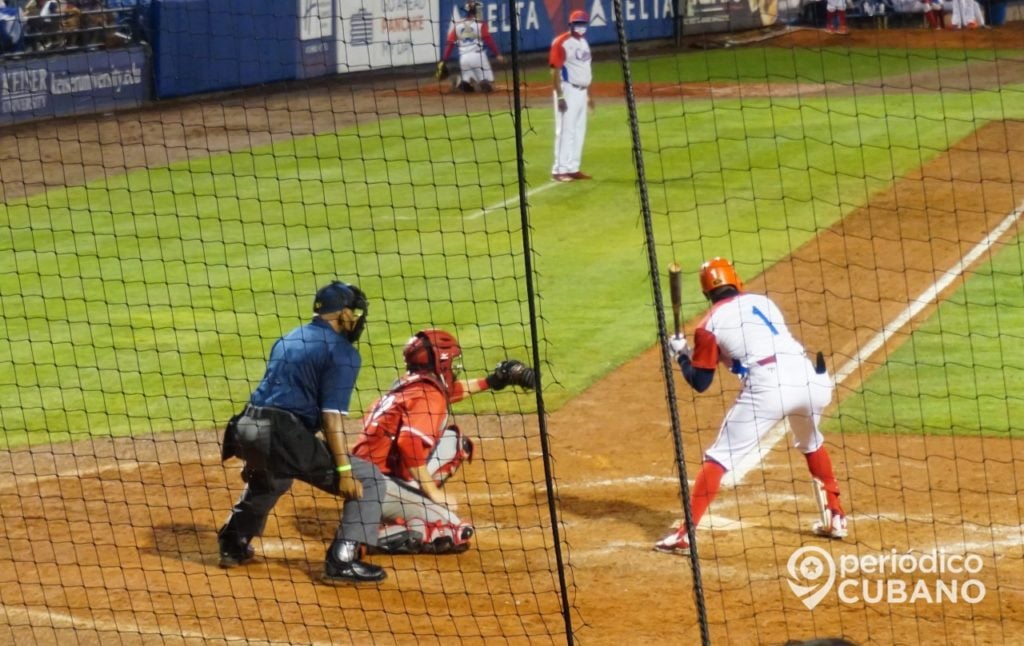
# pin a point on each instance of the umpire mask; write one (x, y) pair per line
(359, 306)
(339, 296)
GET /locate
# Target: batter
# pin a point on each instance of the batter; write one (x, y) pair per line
(748, 334)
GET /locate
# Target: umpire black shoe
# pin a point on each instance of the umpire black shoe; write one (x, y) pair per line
(234, 556)
(352, 572)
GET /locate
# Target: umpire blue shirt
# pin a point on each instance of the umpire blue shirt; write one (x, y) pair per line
(312, 368)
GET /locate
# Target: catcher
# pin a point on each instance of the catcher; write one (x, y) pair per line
(409, 435)
(473, 37)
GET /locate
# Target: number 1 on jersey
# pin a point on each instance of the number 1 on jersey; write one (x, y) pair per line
(758, 313)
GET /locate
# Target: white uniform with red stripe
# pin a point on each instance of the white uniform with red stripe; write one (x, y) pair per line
(473, 38)
(570, 55)
(748, 334)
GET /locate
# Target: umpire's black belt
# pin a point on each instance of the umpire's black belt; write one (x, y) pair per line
(272, 414)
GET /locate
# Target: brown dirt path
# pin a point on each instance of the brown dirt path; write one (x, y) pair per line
(129, 524)
(907, 492)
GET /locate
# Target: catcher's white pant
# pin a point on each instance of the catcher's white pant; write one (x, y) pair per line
(570, 130)
(835, 5)
(475, 67)
(787, 389)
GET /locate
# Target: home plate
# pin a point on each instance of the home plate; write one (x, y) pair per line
(721, 523)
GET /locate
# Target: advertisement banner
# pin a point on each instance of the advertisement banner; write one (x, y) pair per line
(377, 34)
(82, 83)
(317, 55)
(540, 21)
(703, 16)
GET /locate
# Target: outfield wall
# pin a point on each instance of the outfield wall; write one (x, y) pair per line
(249, 42)
(203, 46)
(70, 84)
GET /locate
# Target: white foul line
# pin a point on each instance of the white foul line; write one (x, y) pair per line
(749, 461)
(494, 207)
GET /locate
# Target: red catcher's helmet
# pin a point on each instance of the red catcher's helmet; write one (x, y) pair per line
(718, 272)
(433, 351)
(578, 16)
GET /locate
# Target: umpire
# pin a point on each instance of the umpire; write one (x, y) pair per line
(307, 387)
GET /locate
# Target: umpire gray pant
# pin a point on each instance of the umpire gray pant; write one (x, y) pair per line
(277, 450)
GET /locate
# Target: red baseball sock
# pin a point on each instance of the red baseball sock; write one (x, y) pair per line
(820, 465)
(930, 16)
(842, 19)
(705, 488)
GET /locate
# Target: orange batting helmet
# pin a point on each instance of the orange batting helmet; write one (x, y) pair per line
(718, 272)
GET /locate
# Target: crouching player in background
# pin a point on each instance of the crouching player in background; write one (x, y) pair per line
(409, 434)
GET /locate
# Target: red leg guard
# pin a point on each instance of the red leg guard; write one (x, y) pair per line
(930, 16)
(842, 19)
(820, 465)
(705, 488)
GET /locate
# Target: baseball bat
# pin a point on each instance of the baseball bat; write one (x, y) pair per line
(675, 287)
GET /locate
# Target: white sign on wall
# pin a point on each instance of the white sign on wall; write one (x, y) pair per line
(314, 19)
(376, 34)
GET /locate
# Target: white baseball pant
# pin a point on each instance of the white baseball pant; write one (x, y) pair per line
(570, 130)
(475, 67)
(788, 389)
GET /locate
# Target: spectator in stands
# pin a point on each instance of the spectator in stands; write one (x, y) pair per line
(51, 24)
(130, 18)
(11, 29)
(94, 22)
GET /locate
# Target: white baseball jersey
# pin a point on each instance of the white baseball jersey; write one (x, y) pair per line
(473, 38)
(468, 36)
(570, 55)
(748, 334)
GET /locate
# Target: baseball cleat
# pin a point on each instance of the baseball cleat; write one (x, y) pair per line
(674, 543)
(561, 177)
(836, 527)
(580, 175)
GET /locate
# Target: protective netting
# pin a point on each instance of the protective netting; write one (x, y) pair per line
(872, 188)
(871, 185)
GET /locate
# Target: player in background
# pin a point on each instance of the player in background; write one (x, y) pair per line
(472, 36)
(410, 435)
(933, 13)
(569, 59)
(748, 334)
(835, 17)
(306, 389)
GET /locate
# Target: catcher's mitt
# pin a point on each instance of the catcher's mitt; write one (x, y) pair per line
(442, 72)
(512, 372)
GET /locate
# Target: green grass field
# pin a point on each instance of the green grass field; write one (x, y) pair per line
(147, 302)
